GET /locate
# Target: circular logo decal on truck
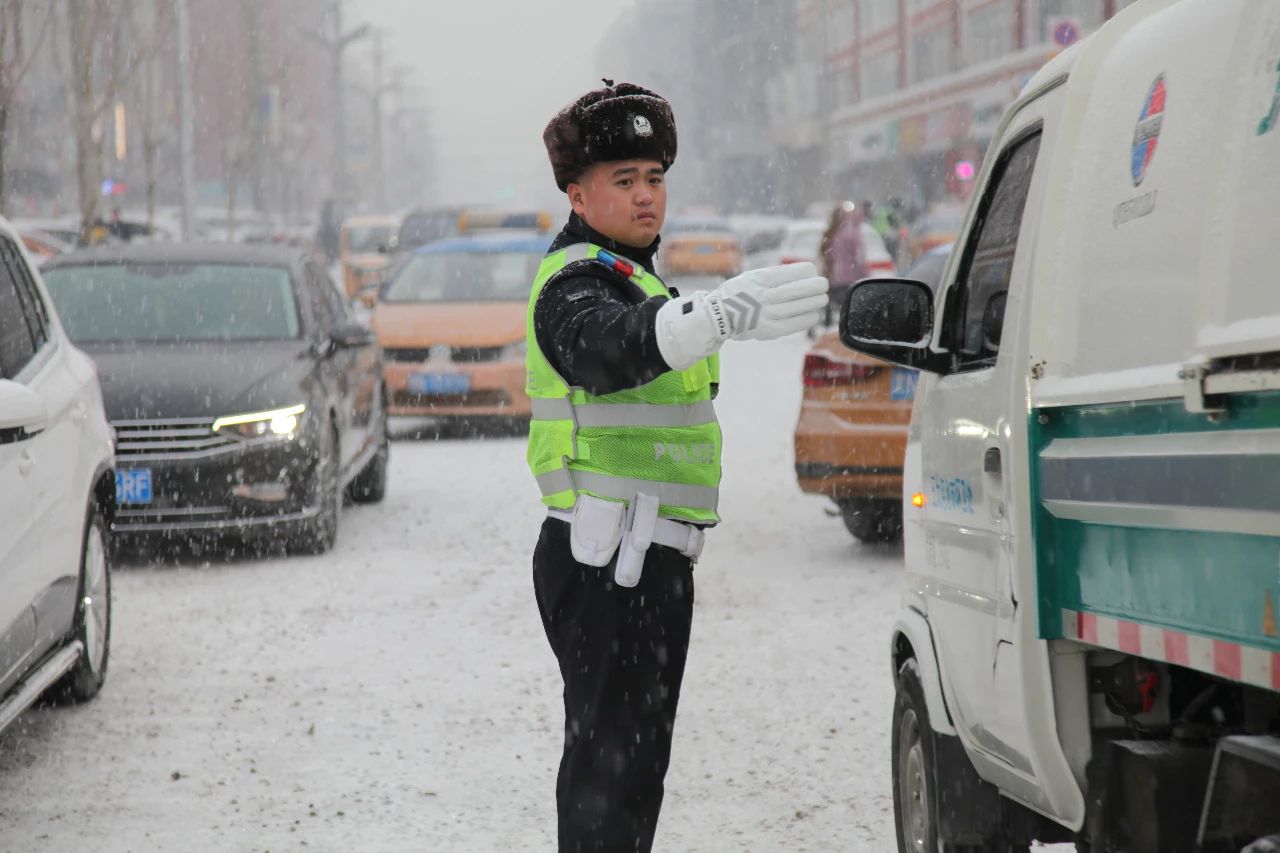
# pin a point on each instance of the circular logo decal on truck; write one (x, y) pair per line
(1147, 133)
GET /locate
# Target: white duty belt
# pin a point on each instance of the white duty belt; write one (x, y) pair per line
(688, 539)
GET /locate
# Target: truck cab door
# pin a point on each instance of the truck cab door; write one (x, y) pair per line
(970, 443)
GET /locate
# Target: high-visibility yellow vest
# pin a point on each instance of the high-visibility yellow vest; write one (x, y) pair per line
(660, 439)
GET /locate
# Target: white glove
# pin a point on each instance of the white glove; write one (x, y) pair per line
(758, 305)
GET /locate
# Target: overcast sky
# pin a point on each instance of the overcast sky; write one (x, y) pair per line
(493, 72)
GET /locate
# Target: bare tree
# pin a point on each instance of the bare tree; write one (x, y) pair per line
(16, 55)
(161, 32)
(99, 69)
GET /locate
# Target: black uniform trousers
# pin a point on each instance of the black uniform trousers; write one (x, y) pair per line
(622, 654)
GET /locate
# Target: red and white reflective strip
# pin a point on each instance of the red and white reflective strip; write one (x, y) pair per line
(1236, 661)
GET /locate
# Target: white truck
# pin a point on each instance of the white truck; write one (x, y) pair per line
(1087, 648)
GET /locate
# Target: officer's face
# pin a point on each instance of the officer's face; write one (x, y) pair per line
(625, 200)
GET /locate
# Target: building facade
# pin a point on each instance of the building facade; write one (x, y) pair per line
(912, 90)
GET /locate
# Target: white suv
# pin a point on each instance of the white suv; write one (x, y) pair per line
(57, 493)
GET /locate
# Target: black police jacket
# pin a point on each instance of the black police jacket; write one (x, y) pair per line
(591, 327)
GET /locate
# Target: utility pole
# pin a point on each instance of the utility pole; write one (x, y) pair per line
(336, 44)
(410, 122)
(379, 155)
(186, 118)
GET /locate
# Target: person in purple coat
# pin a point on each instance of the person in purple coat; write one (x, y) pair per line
(844, 258)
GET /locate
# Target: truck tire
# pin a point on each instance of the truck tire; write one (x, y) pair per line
(912, 760)
(911, 756)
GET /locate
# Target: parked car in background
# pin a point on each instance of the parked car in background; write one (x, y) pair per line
(759, 232)
(56, 502)
(452, 323)
(702, 246)
(41, 246)
(426, 225)
(802, 241)
(240, 226)
(365, 244)
(852, 432)
(938, 226)
(244, 397)
(64, 228)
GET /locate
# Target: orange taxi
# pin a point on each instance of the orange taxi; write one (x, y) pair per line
(700, 246)
(451, 324)
(851, 437)
(364, 246)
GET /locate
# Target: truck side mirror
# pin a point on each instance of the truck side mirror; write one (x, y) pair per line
(890, 319)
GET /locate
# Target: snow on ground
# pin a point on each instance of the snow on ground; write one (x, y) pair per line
(398, 693)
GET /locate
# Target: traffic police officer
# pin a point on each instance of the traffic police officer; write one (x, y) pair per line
(625, 447)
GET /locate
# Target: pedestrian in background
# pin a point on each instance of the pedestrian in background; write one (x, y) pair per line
(625, 447)
(329, 231)
(844, 257)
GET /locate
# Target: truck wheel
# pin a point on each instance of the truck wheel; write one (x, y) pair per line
(872, 522)
(912, 762)
(92, 625)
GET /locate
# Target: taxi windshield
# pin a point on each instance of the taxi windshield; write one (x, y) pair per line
(173, 303)
(465, 277)
(367, 239)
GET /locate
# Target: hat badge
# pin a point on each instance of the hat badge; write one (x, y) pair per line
(642, 126)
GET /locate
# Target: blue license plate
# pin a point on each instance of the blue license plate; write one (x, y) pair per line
(133, 486)
(439, 384)
(704, 250)
(902, 384)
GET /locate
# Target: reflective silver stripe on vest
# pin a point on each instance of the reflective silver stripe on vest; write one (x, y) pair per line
(645, 415)
(668, 494)
(625, 488)
(577, 252)
(554, 482)
(624, 414)
(552, 409)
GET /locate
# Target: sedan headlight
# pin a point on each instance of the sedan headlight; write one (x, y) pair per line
(281, 423)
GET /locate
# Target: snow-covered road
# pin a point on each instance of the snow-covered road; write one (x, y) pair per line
(398, 693)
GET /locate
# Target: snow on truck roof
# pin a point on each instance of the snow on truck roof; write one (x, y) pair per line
(1156, 245)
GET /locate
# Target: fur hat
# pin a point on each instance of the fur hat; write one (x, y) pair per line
(622, 122)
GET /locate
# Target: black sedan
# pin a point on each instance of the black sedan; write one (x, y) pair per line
(245, 397)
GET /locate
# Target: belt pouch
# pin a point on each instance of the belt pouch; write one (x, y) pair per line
(596, 530)
(635, 544)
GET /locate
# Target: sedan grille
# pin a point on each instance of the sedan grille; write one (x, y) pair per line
(169, 439)
(457, 355)
(406, 354)
(474, 355)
